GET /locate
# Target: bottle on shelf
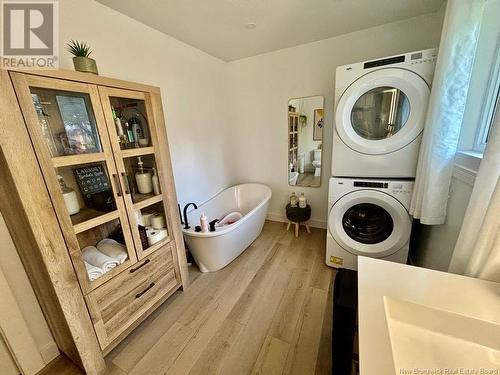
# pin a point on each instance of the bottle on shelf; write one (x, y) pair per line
(302, 201)
(130, 135)
(143, 178)
(119, 128)
(156, 182)
(137, 133)
(293, 200)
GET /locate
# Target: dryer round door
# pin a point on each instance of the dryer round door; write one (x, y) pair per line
(370, 223)
(382, 111)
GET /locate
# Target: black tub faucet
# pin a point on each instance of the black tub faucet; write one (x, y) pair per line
(212, 225)
(186, 224)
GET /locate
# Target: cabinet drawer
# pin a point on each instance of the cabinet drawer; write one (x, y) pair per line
(116, 305)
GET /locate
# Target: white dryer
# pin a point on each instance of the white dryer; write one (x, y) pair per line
(368, 217)
(380, 112)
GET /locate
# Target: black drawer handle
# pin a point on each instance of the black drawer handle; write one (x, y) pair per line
(132, 270)
(139, 295)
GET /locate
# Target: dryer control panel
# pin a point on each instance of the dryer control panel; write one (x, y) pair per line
(423, 57)
(420, 62)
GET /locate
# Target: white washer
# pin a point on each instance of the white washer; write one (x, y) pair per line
(368, 217)
(380, 112)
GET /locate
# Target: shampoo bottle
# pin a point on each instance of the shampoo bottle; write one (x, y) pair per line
(293, 200)
(204, 223)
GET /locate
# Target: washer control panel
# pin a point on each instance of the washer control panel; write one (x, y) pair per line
(394, 187)
(399, 189)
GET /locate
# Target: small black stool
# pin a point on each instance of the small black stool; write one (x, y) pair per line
(298, 216)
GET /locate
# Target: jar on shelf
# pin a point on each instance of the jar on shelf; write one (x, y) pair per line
(70, 198)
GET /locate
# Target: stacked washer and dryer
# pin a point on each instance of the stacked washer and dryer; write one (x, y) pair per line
(380, 113)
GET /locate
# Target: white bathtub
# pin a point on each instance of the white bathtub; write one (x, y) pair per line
(215, 250)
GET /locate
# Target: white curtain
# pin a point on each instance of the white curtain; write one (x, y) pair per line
(446, 109)
(477, 252)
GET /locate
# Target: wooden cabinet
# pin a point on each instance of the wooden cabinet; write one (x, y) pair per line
(98, 143)
(117, 304)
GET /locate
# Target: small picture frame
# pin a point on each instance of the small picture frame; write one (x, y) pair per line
(80, 129)
(318, 124)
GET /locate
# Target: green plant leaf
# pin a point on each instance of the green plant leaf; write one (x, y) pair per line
(78, 49)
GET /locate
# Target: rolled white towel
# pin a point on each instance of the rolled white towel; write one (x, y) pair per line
(113, 249)
(93, 271)
(95, 258)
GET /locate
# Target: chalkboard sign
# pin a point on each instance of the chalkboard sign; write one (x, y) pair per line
(91, 180)
(95, 188)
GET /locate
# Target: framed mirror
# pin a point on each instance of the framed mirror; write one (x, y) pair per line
(305, 141)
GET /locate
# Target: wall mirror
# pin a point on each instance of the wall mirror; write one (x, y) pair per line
(305, 140)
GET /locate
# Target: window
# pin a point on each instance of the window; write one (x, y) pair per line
(487, 119)
(483, 86)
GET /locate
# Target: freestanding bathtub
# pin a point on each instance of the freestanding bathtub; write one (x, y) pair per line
(215, 250)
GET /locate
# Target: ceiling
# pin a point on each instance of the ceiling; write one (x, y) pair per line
(218, 27)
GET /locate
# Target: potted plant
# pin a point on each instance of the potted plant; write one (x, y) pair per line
(81, 60)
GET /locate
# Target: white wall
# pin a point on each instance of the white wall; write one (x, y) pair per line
(261, 86)
(7, 364)
(17, 280)
(432, 245)
(192, 84)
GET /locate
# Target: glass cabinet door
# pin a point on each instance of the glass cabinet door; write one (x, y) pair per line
(68, 131)
(130, 121)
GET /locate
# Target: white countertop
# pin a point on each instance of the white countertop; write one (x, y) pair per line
(378, 279)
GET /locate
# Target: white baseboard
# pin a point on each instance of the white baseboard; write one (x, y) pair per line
(282, 219)
(464, 174)
(49, 352)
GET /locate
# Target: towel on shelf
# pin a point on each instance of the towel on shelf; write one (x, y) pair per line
(95, 258)
(113, 249)
(93, 271)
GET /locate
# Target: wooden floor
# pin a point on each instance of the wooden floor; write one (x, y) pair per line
(268, 312)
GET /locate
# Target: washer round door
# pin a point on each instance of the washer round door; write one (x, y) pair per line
(382, 111)
(370, 223)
